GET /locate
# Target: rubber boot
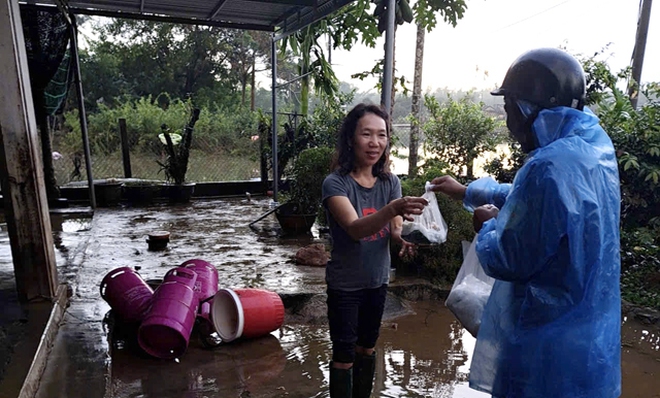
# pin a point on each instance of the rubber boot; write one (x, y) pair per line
(341, 382)
(364, 368)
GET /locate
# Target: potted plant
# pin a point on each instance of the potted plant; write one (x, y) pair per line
(107, 192)
(139, 192)
(298, 214)
(175, 165)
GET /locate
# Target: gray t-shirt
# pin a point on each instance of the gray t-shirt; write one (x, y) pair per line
(364, 264)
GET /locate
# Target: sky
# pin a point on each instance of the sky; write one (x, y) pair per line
(478, 51)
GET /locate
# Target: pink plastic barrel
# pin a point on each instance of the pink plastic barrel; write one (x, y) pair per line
(207, 278)
(205, 287)
(127, 293)
(246, 313)
(166, 328)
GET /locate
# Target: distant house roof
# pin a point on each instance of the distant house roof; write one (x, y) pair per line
(282, 16)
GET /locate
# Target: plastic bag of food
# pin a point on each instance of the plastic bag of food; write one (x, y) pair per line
(428, 227)
(469, 294)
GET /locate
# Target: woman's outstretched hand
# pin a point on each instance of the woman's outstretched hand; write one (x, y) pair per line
(408, 250)
(409, 206)
(449, 186)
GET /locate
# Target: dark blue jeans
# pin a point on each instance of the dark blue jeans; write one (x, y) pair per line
(354, 318)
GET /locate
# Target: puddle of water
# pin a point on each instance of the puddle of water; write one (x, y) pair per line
(426, 354)
(69, 231)
(421, 355)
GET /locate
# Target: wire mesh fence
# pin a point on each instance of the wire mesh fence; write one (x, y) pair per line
(211, 160)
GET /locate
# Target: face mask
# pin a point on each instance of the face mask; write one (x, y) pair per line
(527, 109)
(520, 117)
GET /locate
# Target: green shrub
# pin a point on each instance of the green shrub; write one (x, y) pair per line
(309, 170)
(640, 267)
(636, 139)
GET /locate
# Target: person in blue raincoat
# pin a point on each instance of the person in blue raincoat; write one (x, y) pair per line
(552, 324)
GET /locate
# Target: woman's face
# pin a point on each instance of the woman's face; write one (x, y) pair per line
(370, 140)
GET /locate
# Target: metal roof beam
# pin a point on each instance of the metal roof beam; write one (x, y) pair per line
(305, 3)
(292, 23)
(164, 18)
(216, 9)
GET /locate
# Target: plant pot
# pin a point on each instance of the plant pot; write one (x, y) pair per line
(158, 240)
(107, 194)
(292, 222)
(141, 194)
(179, 193)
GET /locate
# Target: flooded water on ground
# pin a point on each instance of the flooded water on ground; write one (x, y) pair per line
(426, 354)
(216, 231)
(422, 355)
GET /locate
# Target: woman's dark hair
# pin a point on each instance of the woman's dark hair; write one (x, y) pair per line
(344, 158)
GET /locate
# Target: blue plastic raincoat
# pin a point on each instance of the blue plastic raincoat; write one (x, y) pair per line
(551, 327)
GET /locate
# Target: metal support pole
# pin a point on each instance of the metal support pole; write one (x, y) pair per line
(276, 181)
(82, 114)
(638, 52)
(386, 98)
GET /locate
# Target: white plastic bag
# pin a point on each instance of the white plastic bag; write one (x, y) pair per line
(470, 292)
(428, 227)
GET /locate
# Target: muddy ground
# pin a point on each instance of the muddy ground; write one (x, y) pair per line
(425, 352)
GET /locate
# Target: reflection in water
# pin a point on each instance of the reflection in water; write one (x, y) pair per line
(69, 230)
(422, 355)
(419, 356)
(426, 355)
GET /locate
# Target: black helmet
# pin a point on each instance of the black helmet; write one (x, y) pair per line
(547, 77)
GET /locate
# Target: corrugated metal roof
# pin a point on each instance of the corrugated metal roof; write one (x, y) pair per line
(281, 16)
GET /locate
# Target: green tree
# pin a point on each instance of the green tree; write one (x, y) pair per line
(141, 58)
(636, 138)
(458, 132)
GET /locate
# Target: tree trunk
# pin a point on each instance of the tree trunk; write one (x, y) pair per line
(253, 90)
(304, 69)
(470, 169)
(416, 99)
(391, 110)
(243, 88)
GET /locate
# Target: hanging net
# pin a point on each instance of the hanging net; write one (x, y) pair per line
(47, 38)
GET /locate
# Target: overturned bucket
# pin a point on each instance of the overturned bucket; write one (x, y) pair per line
(166, 328)
(127, 293)
(246, 313)
(205, 288)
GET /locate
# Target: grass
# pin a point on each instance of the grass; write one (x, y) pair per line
(202, 167)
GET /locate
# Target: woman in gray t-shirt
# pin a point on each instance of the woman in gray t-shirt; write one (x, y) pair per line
(365, 211)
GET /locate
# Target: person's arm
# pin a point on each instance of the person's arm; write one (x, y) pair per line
(357, 228)
(527, 232)
(480, 192)
(485, 191)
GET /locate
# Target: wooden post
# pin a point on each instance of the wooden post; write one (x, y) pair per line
(21, 167)
(125, 148)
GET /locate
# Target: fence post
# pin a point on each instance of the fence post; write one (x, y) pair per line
(126, 156)
(263, 162)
